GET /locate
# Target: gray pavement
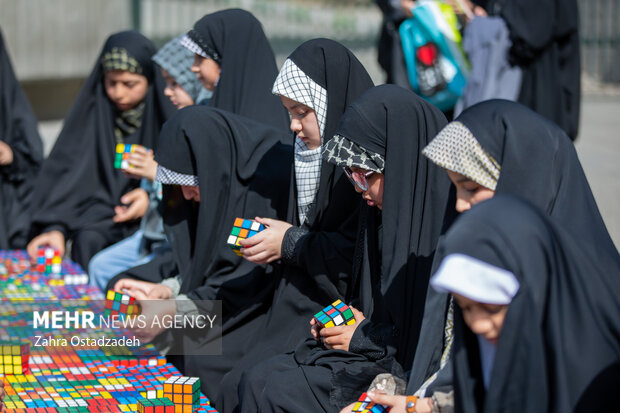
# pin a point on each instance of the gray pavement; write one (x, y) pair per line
(598, 147)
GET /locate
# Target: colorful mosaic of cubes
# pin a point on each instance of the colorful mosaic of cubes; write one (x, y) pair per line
(163, 405)
(336, 314)
(365, 405)
(242, 229)
(49, 260)
(15, 355)
(121, 305)
(184, 392)
(121, 158)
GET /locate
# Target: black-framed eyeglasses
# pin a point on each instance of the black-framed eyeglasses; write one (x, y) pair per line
(358, 179)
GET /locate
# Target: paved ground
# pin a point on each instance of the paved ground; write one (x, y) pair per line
(598, 147)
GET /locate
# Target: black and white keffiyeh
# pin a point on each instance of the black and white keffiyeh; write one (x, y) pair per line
(168, 177)
(293, 83)
(193, 47)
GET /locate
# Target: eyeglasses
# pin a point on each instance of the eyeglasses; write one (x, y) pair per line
(358, 179)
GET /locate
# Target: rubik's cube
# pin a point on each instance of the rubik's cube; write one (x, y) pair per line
(120, 304)
(163, 405)
(184, 393)
(365, 405)
(242, 229)
(121, 159)
(336, 314)
(49, 260)
(15, 355)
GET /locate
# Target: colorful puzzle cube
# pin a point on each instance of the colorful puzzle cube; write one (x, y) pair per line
(49, 260)
(121, 158)
(336, 314)
(242, 229)
(184, 392)
(14, 357)
(163, 405)
(365, 405)
(120, 304)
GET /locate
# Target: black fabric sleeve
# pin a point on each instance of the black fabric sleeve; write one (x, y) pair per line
(56, 227)
(289, 243)
(373, 340)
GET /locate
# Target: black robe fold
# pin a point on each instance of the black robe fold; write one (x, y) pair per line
(559, 347)
(322, 271)
(18, 129)
(391, 268)
(539, 164)
(248, 66)
(545, 41)
(78, 187)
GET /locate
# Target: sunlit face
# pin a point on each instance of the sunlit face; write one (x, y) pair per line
(303, 122)
(468, 192)
(175, 92)
(374, 194)
(125, 89)
(191, 192)
(207, 71)
(485, 320)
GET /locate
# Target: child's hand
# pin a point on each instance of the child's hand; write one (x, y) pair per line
(398, 404)
(142, 164)
(266, 246)
(54, 239)
(151, 309)
(339, 338)
(314, 329)
(136, 202)
(6, 154)
(143, 290)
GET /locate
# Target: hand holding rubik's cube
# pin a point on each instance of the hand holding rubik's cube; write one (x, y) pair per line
(48, 260)
(365, 405)
(120, 305)
(14, 357)
(335, 314)
(121, 158)
(242, 229)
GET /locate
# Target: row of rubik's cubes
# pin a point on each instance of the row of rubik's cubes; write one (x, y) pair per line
(67, 379)
(121, 156)
(49, 267)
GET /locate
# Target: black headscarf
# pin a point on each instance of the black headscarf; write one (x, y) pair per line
(243, 170)
(539, 164)
(393, 272)
(78, 186)
(18, 129)
(321, 267)
(559, 347)
(320, 270)
(247, 63)
(545, 43)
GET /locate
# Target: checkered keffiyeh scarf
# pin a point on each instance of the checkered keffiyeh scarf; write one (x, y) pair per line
(293, 83)
(196, 44)
(119, 59)
(455, 148)
(168, 177)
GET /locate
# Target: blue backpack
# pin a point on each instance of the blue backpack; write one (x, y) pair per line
(436, 64)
